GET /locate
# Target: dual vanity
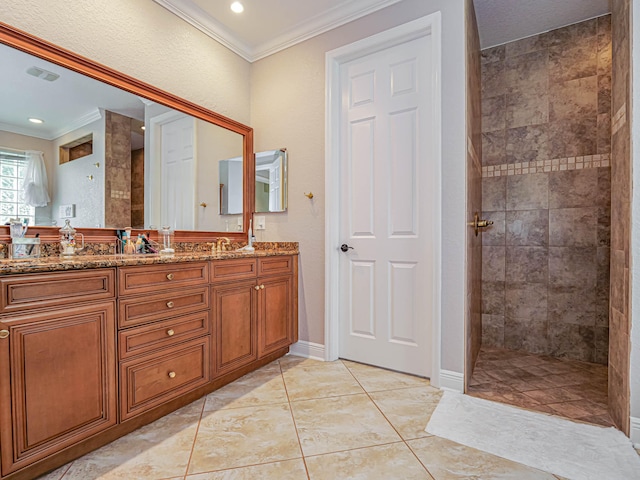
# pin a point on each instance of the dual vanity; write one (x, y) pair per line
(94, 347)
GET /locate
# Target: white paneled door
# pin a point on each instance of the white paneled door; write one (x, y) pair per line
(178, 173)
(387, 199)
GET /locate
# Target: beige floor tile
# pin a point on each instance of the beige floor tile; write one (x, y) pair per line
(244, 436)
(447, 460)
(326, 379)
(55, 474)
(262, 387)
(375, 379)
(384, 462)
(408, 409)
(291, 361)
(159, 450)
(340, 423)
(287, 470)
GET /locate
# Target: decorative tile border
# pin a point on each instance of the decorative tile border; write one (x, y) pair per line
(619, 119)
(545, 166)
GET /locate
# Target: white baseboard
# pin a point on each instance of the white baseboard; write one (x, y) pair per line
(311, 350)
(635, 432)
(453, 381)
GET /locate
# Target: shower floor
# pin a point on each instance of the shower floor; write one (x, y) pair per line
(568, 388)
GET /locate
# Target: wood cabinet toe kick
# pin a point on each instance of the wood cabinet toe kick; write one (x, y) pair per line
(111, 349)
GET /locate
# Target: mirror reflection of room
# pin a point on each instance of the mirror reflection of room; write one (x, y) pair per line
(112, 159)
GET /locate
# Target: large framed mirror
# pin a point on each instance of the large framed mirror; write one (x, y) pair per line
(118, 152)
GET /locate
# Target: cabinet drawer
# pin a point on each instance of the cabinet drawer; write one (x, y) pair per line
(276, 265)
(132, 280)
(236, 269)
(22, 292)
(149, 308)
(156, 378)
(145, 339)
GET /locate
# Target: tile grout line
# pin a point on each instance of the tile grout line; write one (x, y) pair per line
(195, 437)
(66, 471)
(389, 422)
(293, 419)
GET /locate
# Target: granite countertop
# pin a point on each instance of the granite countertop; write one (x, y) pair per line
(80, 262)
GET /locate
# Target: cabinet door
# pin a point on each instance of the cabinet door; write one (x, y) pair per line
(275, 314)
(234, 307)
(57, 380)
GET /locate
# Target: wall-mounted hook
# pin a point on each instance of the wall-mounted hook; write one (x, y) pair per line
(90, 177)
(204, 205)
(97, 164)
(309, 195)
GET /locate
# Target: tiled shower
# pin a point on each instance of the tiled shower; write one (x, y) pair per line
(546, 152)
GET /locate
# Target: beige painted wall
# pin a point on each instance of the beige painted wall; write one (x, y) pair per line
(288, 110)
(144, 40)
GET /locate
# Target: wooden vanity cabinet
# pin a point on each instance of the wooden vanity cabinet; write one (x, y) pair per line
(58, 381)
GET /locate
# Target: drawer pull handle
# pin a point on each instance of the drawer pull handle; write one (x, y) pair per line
(170, 332)
(257, 287)
(172, 374)
(170, 276)
(4, 333)
(262, 287)
(170, 304)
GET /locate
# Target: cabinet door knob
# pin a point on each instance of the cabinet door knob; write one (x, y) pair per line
(172, 374)
(262, 287)
(170, 332)
(4, 333)
(169, 276)
(170, 304)
(257, 287)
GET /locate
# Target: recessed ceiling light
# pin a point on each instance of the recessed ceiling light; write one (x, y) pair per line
(36, 120)
(237, 7)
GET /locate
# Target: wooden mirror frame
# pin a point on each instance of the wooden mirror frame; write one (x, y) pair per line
(52, 53)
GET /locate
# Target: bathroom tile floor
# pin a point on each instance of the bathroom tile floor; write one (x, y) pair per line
(568, 388)
(298, 419)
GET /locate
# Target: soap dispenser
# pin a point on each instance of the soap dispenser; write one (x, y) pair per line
(68, 236)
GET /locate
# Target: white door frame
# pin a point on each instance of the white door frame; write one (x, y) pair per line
(428, 25)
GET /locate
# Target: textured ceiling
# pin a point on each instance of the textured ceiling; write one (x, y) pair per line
(502, 21)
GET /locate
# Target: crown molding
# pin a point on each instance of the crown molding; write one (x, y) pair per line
(340, 15)
(86, 119)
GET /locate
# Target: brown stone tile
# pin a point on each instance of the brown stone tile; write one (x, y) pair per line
(572, 341)
(525, 300)
(494, 54)
(520, 400)
(494, 234)
(494, 148)
(526, 144)
(526, 265)
(573, 188)
(493, 298)
(522, 109)
(493, 79)
(535, 383)
(494, 193)
(525, 360)
(604, 94)
(553, 395)
(604, 133)
(604, 420)
(528, 192)
(571, 34)
(565, 380)
(493, 113)
(573, 267)
(529, 333)
(573, 227)
(493, 263)
(574, 100)
(493, 330)
(527, 73)
(525, 45)
(572, 305)
(569, 409)
(578, 61)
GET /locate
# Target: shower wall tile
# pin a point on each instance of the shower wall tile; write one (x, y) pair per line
(494, 193)
(528, 333)
(527, 73)
(527, 144)
(494, 148)
(528, 192)
(527, 227)
(493, 263)
(574, 100)
(618, 293)
(493, 54)
(604, 133)
(548, 98)
(494, 235)
(493, 79)
(571, 35)
(524, 109)
(493, 113)
(573, 227)
(524, 300)
(527, 264)
(571, 63)
(572, 341)
(573, 188)
(574, 305)
(493, 297)
(573, 267)
(493, 330)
